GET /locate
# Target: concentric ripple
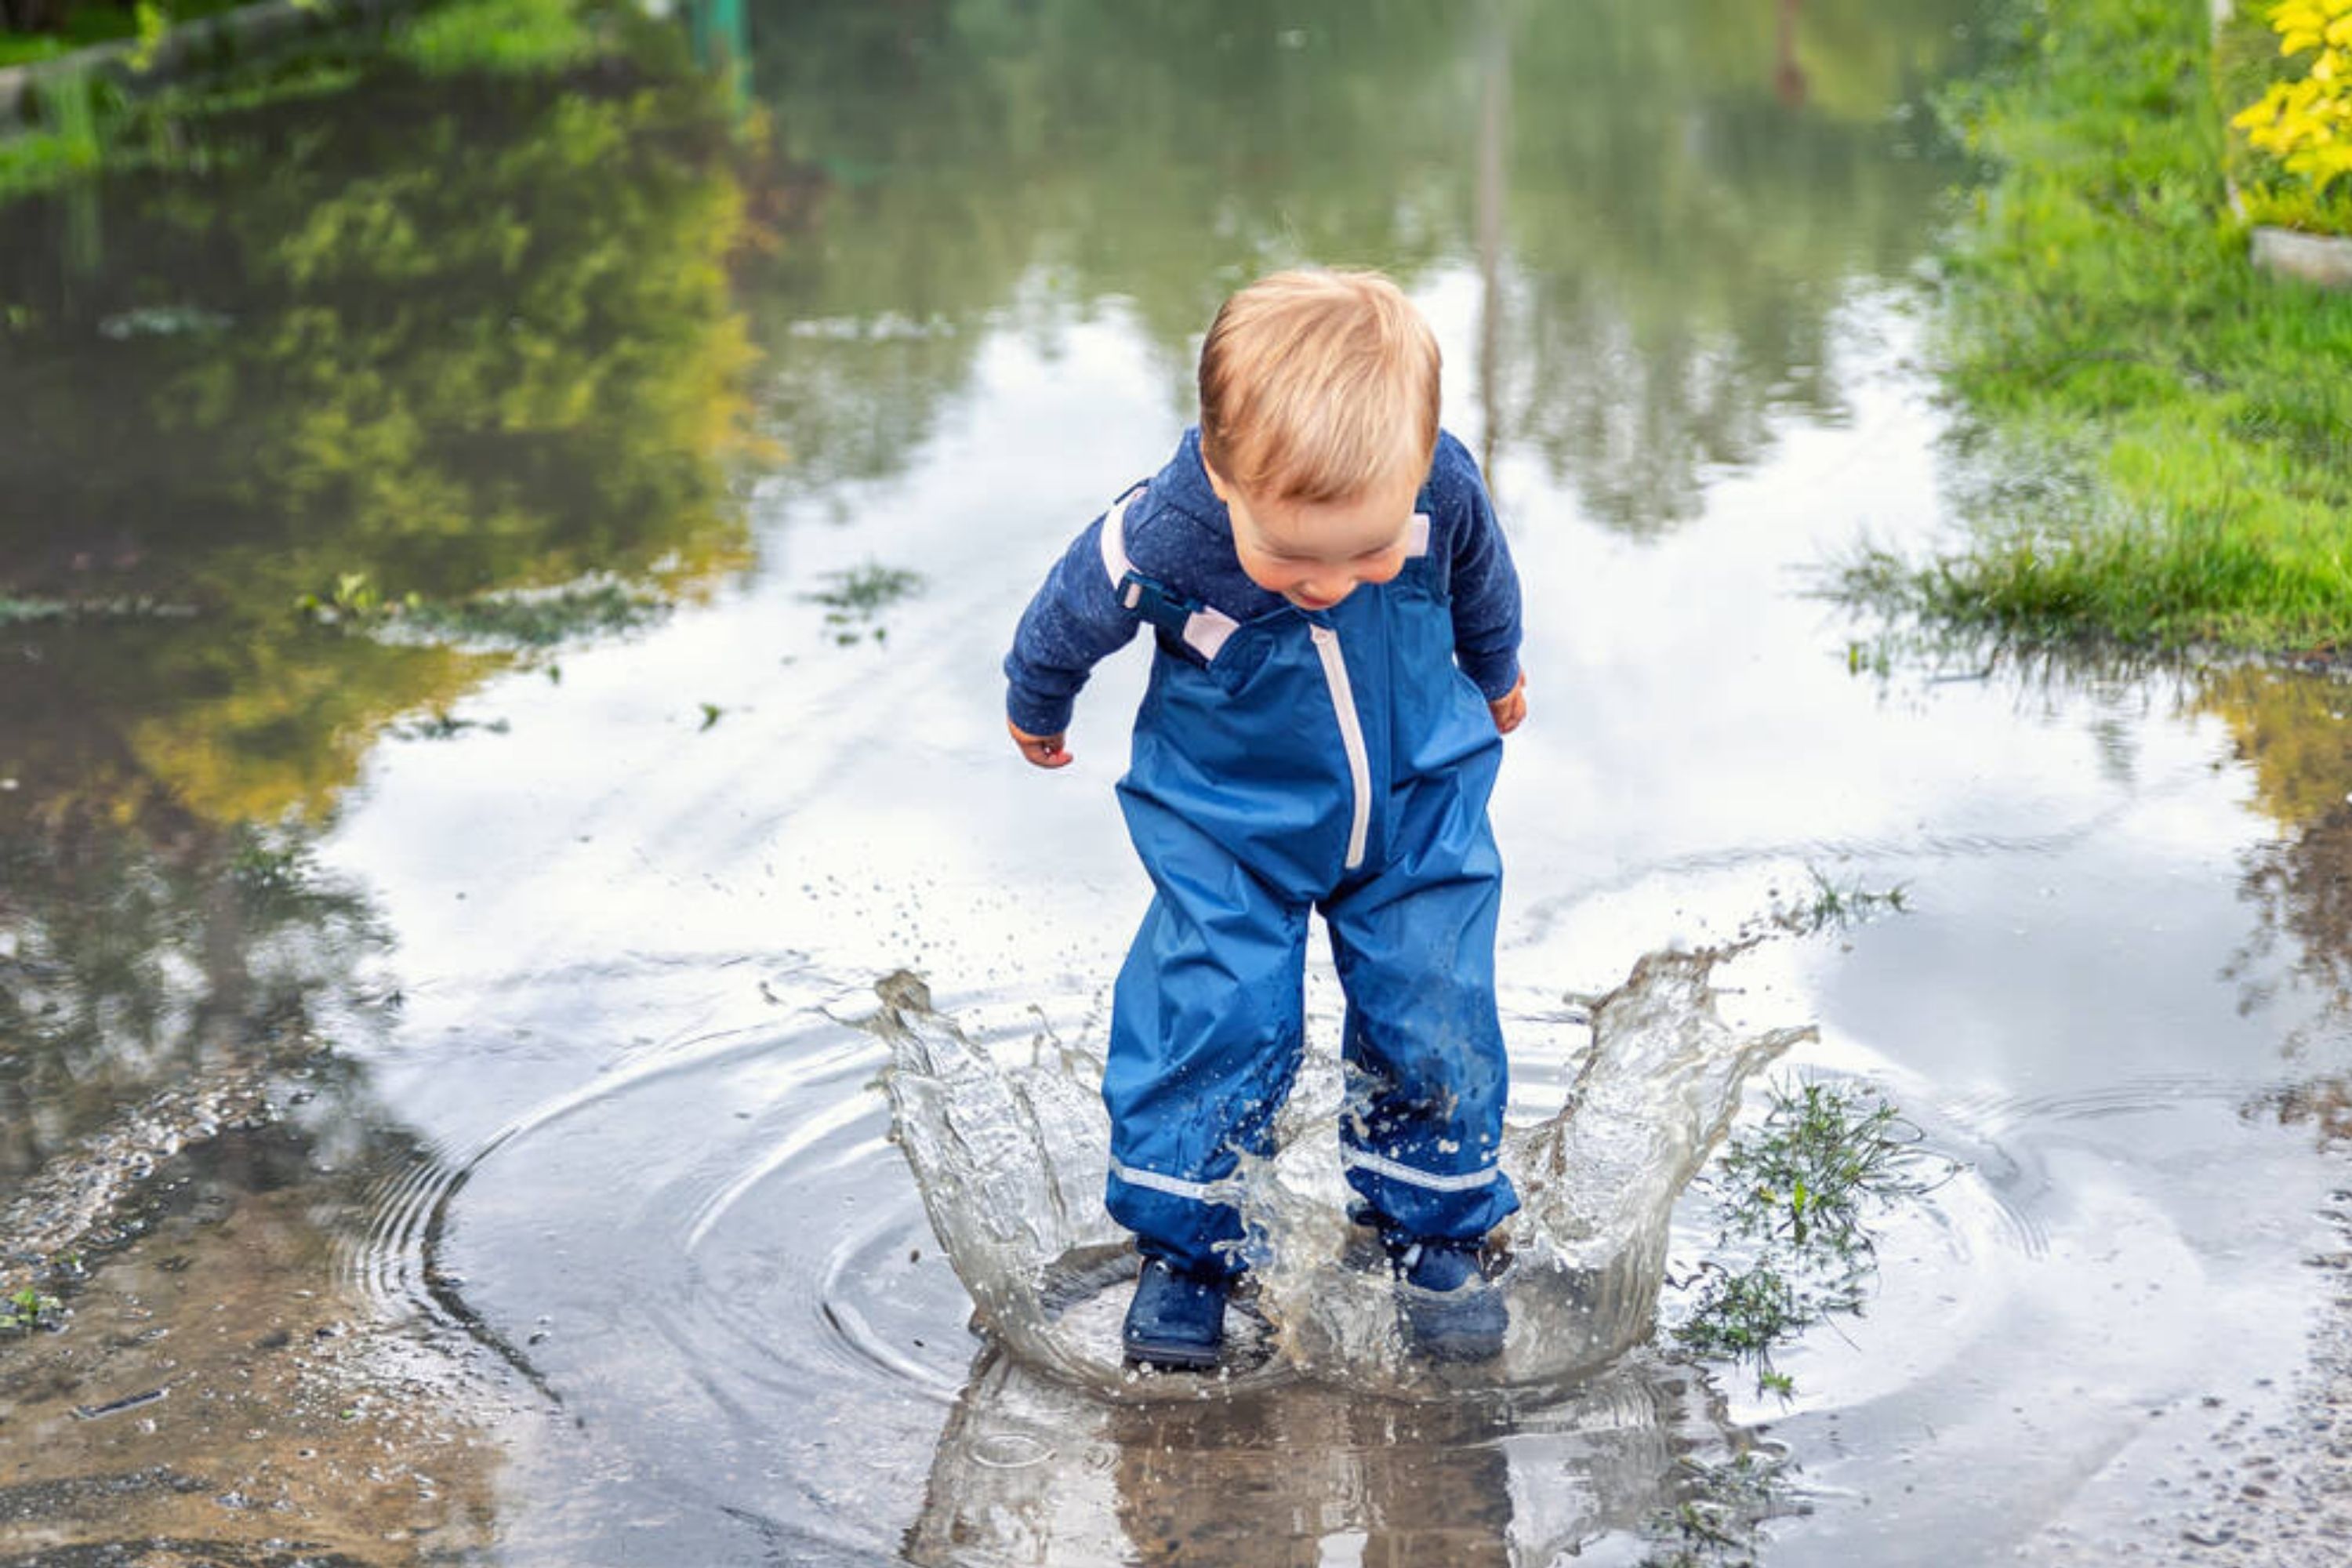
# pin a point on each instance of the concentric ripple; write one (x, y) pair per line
(711, 1255)
(723, 1268)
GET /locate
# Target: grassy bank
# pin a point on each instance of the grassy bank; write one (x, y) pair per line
(2156, 440)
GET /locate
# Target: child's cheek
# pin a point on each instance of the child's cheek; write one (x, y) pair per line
(1266, 574)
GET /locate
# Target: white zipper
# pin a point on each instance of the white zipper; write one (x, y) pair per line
(1352, 736)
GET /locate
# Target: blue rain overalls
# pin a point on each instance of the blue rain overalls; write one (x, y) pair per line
(1335, 760)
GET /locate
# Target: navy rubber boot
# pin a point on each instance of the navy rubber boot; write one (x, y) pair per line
(1451, 1310)
(1177, 1321)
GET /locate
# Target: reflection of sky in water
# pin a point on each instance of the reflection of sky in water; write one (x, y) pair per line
(1697, 720)
(2053, 1010)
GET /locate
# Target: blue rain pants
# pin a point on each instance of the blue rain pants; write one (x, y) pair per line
(1333, 760)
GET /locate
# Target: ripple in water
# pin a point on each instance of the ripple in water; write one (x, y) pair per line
(709, 1250)
(711, 1253)
(1010, 1162)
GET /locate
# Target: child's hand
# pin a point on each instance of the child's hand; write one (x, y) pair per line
(1046, 750)
(1510, 708)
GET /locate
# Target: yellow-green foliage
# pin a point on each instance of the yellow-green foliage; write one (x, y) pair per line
(2307, 123)
(525, 36)
(154, 25)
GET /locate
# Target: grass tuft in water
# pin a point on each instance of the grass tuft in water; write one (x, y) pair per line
(540, 620)
(1796, 1197)
(445, 726)
(119, 607)
(30, 1309)
(530, 620)
(854, 604)
(1718, 1522)
(1832, 905)
(20, 612)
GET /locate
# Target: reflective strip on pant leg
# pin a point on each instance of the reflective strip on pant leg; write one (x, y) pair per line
(1174, 1186)
(1467, 1181)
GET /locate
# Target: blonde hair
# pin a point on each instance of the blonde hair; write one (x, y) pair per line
(1315, 386)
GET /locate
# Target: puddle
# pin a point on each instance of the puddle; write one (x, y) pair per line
(569, 884)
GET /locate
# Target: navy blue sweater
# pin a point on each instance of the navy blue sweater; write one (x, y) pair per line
(1177, 533)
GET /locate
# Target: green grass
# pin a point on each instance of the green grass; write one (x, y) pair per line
(498, 36)
(855, 602)
(2156, 439)
(24, 48)
(539, 620)
(1721, 1508)
(1797, 1199)
(27, 1309)
(1828, 905)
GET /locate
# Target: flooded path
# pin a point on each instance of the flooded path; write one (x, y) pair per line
(544, 1208)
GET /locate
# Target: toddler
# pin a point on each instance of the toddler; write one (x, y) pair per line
(1337, 623)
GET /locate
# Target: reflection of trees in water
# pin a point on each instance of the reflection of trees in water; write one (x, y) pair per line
(440, 336)
(2301, 887)
(2290, 728)
(234, 716)
(993, 165)
(460, 335)
(146, 955)
(2323, 1104)
(1685, 240)
(1677, 239)
(2294, 730)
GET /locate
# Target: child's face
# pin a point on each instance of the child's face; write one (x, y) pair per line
(1315, 553)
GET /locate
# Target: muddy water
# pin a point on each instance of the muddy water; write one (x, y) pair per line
(535, 980)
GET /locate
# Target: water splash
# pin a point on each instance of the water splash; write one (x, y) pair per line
(1010, 1162)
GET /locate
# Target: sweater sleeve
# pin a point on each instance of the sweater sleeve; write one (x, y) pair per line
(1073, 623)
(1486, 587)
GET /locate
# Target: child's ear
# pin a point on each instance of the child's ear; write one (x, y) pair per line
(1217, 482)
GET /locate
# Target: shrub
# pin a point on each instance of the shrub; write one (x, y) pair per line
(2306, 123)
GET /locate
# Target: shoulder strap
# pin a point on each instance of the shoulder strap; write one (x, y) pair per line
(1201, 627)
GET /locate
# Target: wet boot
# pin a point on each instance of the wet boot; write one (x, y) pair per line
(1177, 1321)
(1452, 1311)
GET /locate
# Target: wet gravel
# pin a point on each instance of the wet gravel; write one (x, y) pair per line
(214, 1389)
(2283, 1491)
(79, 1202)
